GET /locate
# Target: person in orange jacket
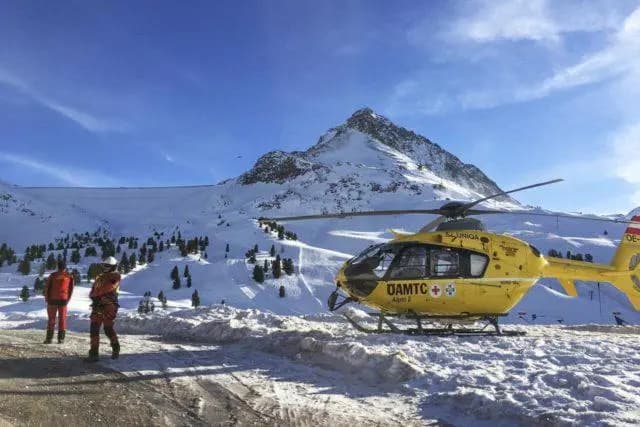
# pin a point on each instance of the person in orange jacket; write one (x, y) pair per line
(57, 293)
(104, 297)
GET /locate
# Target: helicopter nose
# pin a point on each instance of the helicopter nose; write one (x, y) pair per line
(358, 284)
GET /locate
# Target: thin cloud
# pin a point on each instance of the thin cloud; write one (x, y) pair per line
(86, 120)
(74, 177)
(620, 57)
(625, 143)
(542, 21)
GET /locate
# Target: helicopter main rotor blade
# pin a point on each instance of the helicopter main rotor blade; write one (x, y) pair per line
(556, 215)
(540, 184)
(433, 224)
(353, 214)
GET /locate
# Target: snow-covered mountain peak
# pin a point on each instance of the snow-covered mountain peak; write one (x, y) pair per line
(370, 140)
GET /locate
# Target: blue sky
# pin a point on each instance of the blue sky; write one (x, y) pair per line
(168, 93)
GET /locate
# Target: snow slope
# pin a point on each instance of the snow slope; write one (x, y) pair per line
(365, 163)
(288, 356)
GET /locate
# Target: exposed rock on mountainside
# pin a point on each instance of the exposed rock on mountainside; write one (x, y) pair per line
(280, 167)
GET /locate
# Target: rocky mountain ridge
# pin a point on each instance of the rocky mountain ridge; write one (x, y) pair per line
(281, 167)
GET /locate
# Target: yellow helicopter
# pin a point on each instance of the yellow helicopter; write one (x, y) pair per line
(454, 272)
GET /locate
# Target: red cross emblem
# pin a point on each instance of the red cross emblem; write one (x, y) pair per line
(435, 291)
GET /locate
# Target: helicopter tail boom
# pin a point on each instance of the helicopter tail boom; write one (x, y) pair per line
(623, 272)
(626, 263)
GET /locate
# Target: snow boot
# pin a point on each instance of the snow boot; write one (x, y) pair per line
(93, 356)
(115, 350)
(49, 337)
(61, 335)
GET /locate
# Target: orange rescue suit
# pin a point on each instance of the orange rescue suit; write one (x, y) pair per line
(59, 288)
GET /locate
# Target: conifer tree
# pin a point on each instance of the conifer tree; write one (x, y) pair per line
(265, 267)
(151, 257)
(90, 251)
(195, 299)
(75, 256)
(51, 262)
(272, 251)
(142, 259)
(258, 274)
(186, 271)
(176, 282)
(276, 268)
(255, 248)
(161, 246)
(280, 234)
(160, 296)
(24, 267)
(281, 292)
(24, 293)
(287, 266)
(227, 248)
(174, 273)
(188, 281)
(123, 267)
(133, 262)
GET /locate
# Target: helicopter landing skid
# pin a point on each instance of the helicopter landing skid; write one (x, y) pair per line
(449, 330)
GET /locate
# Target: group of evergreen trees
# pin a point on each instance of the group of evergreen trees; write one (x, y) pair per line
(191, 246)
(277, 266)
(175, 277)
(163, 299)
(272, 226)
(146, 304)
(7, 255)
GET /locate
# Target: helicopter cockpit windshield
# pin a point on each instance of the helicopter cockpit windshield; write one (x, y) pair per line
(364, 271)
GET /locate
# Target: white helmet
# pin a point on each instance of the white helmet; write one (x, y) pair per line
(110, 261)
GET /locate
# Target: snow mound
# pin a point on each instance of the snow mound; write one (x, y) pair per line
(292, 337)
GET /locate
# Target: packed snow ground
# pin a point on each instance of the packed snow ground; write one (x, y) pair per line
(296, 366)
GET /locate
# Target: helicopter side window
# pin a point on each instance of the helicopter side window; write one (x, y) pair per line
(445, 263)
(410, 264)
(477, 264)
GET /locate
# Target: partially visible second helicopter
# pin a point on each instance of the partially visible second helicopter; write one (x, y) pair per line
(454, 272)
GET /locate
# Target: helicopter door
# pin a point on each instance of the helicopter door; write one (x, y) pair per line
(410, 263)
